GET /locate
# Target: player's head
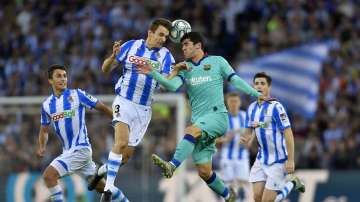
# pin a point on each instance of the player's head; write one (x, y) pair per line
(158, 32)
(57, 75)
(192, 43)
(262, 83)
(233, 102)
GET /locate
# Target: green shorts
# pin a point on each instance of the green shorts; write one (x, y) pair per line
(213, 125)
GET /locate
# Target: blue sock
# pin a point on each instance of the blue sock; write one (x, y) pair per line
(284, 192)
(113, 164)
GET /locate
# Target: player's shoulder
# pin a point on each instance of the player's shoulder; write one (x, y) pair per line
(47, 100)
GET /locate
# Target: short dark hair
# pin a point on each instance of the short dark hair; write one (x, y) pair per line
(232, 94)
(160, 21)
(52, 68)
(263, 75)
(195, 37)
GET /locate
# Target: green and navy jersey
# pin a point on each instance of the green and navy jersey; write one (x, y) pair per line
(205, 85)
(67, 113)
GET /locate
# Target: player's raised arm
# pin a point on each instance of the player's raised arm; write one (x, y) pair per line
(169, 83)
(110, 62)
(103, 108)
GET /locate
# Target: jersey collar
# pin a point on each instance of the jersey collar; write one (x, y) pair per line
(198, 63)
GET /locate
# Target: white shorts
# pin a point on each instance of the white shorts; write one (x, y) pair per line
(78, 161)
(136, 116)
(274, 175)
(235, 169)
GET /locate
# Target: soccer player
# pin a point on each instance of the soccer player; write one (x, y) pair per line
(65, 108)
(275, 159)
(204, 81)
(134, 94)
(234, 163)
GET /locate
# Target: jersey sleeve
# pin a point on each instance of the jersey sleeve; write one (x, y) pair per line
(281, 117)
(226, 70)
(167, 63)
(45, 117)
(86, 99)
(124, 49)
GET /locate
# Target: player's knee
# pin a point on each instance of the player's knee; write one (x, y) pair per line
(50, 178)
(205, 174)
(120, 146)
(193, 131)
(257, 197)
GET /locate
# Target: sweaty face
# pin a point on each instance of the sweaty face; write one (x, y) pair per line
(188, 48)
(159, 37)
(261, 85)
(59, 80)
(233, 103)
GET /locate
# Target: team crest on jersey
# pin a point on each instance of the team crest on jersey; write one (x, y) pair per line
(283, 117)
(207, 67)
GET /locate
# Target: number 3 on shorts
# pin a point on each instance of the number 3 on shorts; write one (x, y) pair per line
(117, 108)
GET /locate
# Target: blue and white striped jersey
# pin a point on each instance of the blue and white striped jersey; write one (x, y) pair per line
(273, 120)
(233, 150)
(139, 88)
(67, 113)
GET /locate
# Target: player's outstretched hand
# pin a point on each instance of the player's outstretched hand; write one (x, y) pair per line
(289, 166)
(40, 152)
(116, 48)
(144, 69)
(243, 140)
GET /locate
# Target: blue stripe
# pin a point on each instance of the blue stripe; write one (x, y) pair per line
(286, 190)
(274, 127)
(241, 148)
(68, 120)
(52, 107)
(232, 143)
(148, 83)
(182, 78)
(225, 193)
(175, 162)
(111, 173)
(116, 195)
(134, 75)
(30, 182)
(114, 163)
(167, 63)
(124, 50)
(190, 138)
(57, 193)
(44, 117)
(230, 76)
(263, 134)
(63, 164)
(80, 111)
(211, 179)
(281, 127)
(69, 184)
(252, 119)
(58, 201)
(84, 99)
(10, 188)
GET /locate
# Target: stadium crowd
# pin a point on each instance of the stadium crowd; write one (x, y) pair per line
(80, 34)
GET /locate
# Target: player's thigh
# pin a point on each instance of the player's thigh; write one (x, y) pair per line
(212, 125)
(268, 195)
(50, 175)
(121, 133)
(139, 125)
(276, 176)
(203, 152)
(258, 189)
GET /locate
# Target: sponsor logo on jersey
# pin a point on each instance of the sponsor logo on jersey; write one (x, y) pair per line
(207, 67)
(63, 115)
(133, 59)
(199, 80)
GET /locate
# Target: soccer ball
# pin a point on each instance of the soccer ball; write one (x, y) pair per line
(178, 29)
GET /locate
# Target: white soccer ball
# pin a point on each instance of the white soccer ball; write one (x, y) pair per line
(178, 29)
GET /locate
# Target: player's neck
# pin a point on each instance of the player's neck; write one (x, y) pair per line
(148, 44)
(58, 92)
(197, 57)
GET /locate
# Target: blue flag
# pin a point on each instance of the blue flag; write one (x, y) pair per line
(295, 73)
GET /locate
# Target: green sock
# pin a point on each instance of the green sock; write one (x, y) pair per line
(183, 149)
(217, 185)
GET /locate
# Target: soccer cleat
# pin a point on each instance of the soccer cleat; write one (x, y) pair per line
(232, 196)
(107, 196)
(167, 167)
(94, 180)
(298, 184)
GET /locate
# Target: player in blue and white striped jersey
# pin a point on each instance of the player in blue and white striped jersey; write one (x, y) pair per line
(134, 93)
(65, 109)
(275, 159)
(234, 161)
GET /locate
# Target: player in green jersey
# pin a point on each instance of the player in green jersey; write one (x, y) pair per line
(204, 77)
